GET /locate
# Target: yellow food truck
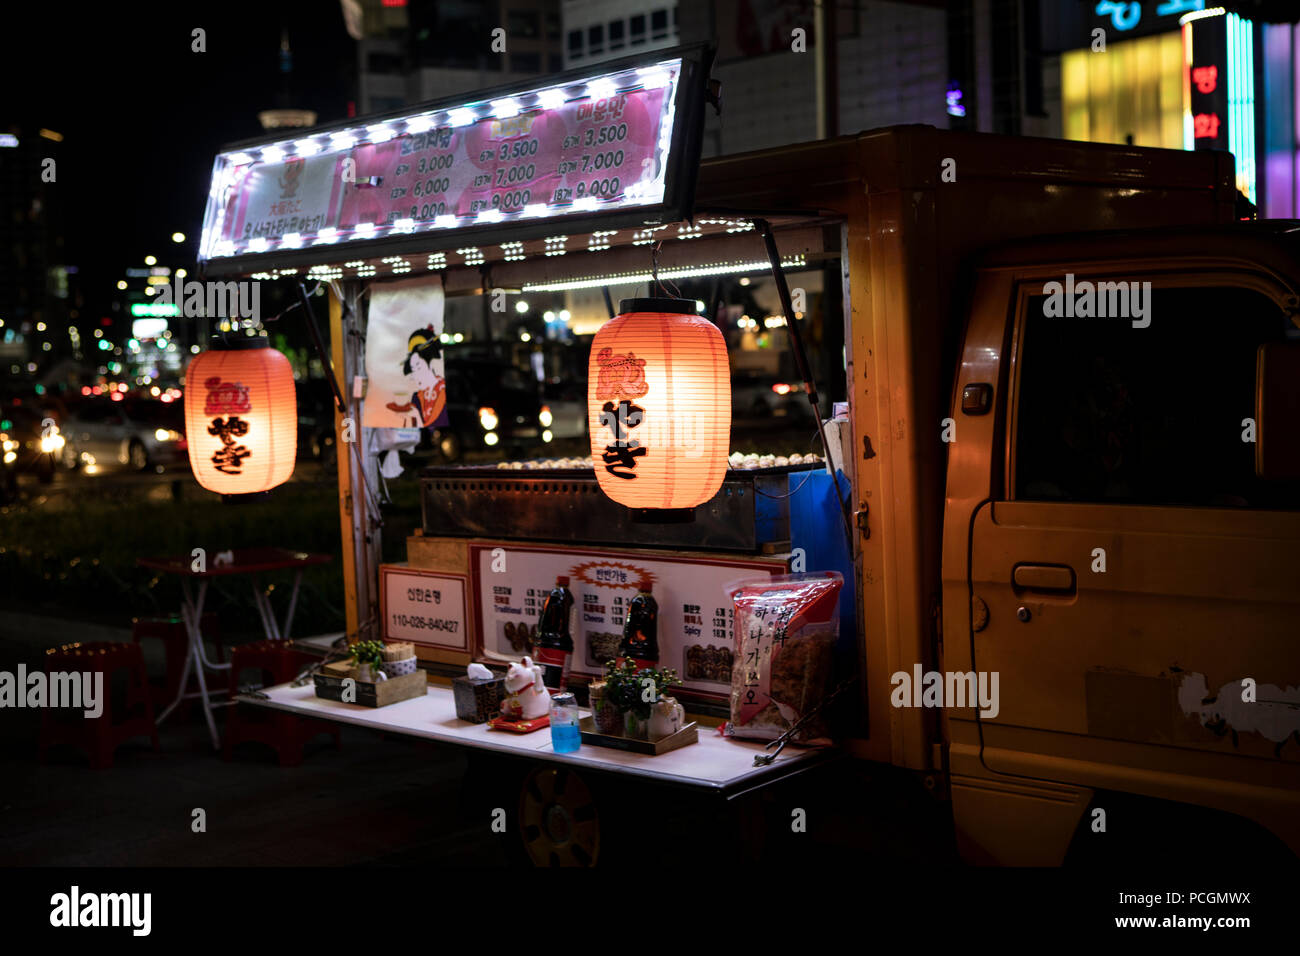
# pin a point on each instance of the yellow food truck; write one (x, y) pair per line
(1069, 467)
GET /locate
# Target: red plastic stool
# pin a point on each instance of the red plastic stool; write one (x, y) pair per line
(278, 662)
(171, 631)
(99, 736)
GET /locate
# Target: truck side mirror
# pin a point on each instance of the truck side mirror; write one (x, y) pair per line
(1277, 411)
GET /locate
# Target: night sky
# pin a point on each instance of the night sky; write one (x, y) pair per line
(143, 116)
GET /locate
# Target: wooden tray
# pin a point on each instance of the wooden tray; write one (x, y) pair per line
(591, 734)
(329, 685)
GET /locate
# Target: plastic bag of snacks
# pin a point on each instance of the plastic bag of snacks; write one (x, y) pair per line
(785, 632)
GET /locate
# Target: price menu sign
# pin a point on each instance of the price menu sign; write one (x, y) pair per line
(624, 142)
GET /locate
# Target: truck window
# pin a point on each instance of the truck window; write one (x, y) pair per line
(1112, 413)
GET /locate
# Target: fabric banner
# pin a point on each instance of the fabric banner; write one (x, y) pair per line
(404, 365)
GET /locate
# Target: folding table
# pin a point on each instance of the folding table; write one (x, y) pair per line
(250, 561)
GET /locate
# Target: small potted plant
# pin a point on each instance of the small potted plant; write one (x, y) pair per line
(619, 692)
(635, 692)
(367, 658)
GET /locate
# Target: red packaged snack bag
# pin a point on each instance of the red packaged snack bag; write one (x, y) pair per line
(785, 632)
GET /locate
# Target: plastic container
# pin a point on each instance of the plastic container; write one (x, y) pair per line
(565, 736)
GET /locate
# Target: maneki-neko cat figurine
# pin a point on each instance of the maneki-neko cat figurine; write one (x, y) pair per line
(528, 703)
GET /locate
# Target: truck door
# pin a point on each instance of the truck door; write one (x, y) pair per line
(1143, 613)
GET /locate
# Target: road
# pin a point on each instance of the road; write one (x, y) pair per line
(176, 482)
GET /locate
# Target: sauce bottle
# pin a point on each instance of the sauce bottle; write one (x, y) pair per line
(554, 645)
(641, 632)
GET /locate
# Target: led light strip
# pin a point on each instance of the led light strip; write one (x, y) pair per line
(1241, 101)
(684, 272)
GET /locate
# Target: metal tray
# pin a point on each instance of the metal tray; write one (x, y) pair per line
(592, 735)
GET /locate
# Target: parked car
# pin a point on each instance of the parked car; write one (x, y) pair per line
(139, 434)
(565, 409)
(30, 441)
(755, 395)
(491, 405)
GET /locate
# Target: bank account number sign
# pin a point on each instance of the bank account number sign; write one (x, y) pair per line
(424, 607)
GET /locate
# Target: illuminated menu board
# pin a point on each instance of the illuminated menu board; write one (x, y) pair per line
(621, 143)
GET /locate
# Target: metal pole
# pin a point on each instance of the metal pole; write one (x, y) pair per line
(801, 360)
(319, 345)
(486, 282)
(819, 66)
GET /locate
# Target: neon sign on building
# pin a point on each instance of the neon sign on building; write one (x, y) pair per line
(1219, 67)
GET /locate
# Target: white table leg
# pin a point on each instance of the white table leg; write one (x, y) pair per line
(263, 603)
(293, 603)
(196, 657)
(196, 641)
(185, 670)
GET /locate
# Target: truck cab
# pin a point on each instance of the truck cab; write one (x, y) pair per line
(1120, 528)
(1074, 396)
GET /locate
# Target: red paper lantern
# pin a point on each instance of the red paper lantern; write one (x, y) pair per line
(241, 418)
(659, 405)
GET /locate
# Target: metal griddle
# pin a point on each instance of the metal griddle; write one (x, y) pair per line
(749, 514)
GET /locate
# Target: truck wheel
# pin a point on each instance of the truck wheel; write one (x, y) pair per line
(557, 819)
(1138, 832)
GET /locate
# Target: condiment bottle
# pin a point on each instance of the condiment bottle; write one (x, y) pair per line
(554, 645)
(641, 632)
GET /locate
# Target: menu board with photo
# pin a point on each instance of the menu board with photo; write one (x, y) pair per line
(510, 583)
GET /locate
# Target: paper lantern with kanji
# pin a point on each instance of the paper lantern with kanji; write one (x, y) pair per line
(241, 418)
(659, 405)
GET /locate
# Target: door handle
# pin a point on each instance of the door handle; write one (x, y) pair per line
(1056, 579)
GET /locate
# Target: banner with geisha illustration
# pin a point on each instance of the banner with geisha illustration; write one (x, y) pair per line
(406, 383)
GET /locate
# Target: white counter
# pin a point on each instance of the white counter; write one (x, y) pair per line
(718, 763)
